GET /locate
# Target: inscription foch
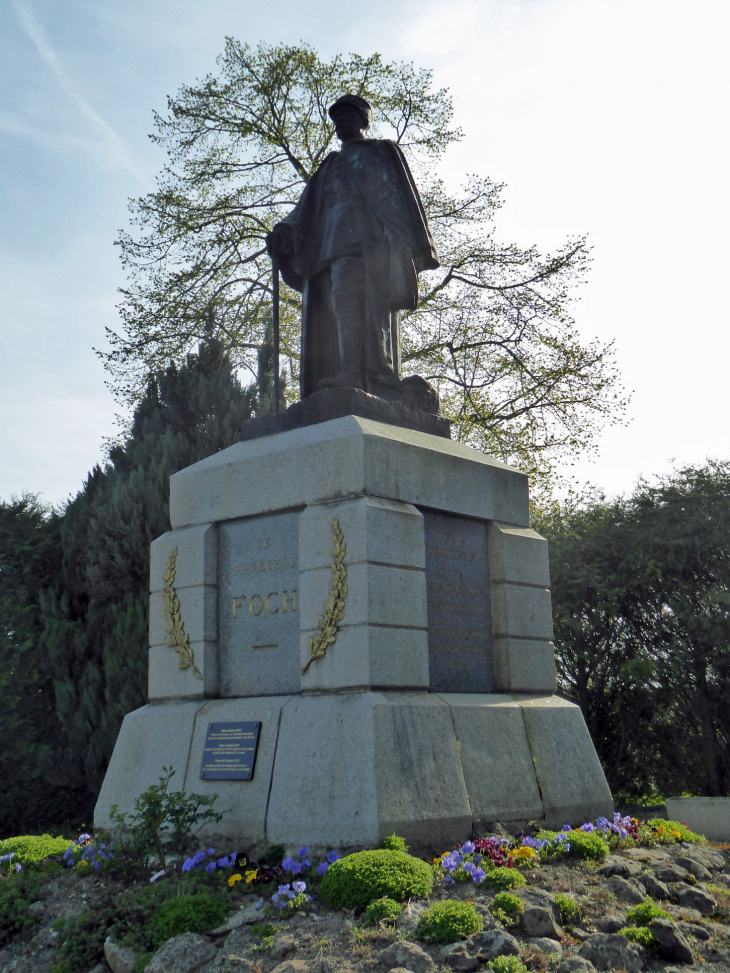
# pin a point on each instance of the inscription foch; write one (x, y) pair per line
(458, 604)
(258, 606)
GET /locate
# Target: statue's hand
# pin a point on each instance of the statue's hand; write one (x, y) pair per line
(278, 242)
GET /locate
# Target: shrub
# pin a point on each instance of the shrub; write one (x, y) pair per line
(187, 913)
(504, 878)
(446, 922)
(669, 832)
(506, 964)
(586, 845)
(642, 936)
(507, 908)
(382, 910)
(355, 881)
(30, 849)
(274, 854)
(642, 914)
(568, 908)
(393, 843)
(17, 891)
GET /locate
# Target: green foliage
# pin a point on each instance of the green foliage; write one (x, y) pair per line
(587, 845)
(355, 881)
(142, 961)
(263, 930)
(569, 908)
(446, 922)
(493, 326)
(673, 832)
(642, 936)
(91, 634)
(504, 878)
(274, 854)
(83, 943)
(188, 913)
(641, 602)
(163, 820)
(29, 563)
(17, 891)
(393, 843)
(644, 913)
(382, 910)
(506, 964)
(30, 849)
(507, 908)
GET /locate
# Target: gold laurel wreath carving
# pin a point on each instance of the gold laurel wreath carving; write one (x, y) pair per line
(334, 609)
(177, 636)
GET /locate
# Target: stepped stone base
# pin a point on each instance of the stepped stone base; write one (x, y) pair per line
(346, 769)
(432, 712)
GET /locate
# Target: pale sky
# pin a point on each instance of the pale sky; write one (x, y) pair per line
(606, 117)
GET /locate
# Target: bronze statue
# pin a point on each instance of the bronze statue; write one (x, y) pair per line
(354, 245)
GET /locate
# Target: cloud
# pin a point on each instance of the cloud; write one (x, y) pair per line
(114, 145)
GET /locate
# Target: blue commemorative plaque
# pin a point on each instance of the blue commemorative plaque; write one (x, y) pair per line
(230, 751)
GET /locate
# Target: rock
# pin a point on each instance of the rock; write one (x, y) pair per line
(609, 952)
(723, 879)
(542, 915)
(283, 946)
(492, 943)
(121, 959)
(652, 856)
(99, 968)
(611, 923)
(292, 966)
(546, 945)
(709, 857)
(627, 891)
(692, 929)
(576, 964)
(672, 944)
(582, 934)
(408, 919)
(458, 957)
(655, 888)
(182, 954)
(673, 873)
(682, 912)
(696, 898)
(695, 868)
(623, 867)
(409, 955)
(244, 917)
(713, 955)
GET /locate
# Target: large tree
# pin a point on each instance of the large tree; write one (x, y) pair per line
(493, 328)
(641, 595)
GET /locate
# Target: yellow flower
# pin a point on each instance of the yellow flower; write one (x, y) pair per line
(232, 880)
(82, 862)
(252, 876)
(524, 852)
(677, 834)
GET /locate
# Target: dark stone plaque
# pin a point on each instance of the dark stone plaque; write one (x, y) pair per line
(458, 600)
(230, 751)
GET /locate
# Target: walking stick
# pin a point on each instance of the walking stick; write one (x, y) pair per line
(275, 297)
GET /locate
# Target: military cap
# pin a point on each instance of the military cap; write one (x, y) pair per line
(352, 101)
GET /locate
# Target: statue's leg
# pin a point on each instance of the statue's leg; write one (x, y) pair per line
(348, 303)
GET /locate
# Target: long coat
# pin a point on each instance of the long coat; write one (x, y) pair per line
(396, 245)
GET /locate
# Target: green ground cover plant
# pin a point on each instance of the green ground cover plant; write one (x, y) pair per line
(449, 921)
(357, 880)
(187, 913)
(18, 891)
(30, 849)
(382, 910)
(504, 878)
(644, 913)
(569, 908)
(642, 936)
(506, 964)
(507, 908)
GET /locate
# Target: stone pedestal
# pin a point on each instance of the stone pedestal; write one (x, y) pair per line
(431, 713)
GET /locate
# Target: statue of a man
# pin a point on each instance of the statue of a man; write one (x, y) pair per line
(354, 245)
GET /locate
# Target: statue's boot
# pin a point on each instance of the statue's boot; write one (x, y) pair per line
(348, 303)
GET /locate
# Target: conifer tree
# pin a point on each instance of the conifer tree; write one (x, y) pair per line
(96, 615)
